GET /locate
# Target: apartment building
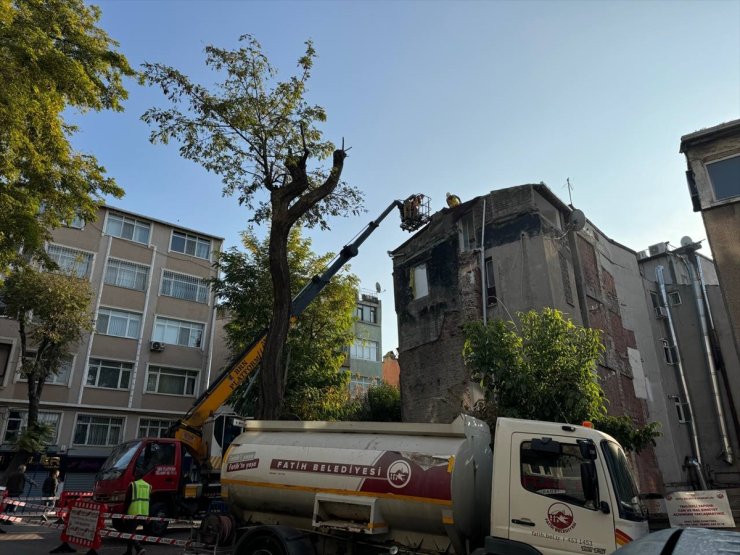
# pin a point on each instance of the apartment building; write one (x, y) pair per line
(511, 250)
(695, 366)
(149, 355)
(365, 354)
(713, 175)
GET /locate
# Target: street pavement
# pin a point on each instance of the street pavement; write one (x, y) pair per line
(32, 539)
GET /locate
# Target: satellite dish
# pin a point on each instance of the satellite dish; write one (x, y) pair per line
(378, 288)
(577, 220)
(686, 241)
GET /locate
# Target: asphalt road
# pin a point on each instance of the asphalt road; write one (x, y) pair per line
(32, 539)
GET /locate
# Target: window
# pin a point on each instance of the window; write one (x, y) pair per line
(171, 381)
(669, 352)
(628, 499)
(71, 261)
(119, 323)
(77, 223)
(184, 287)
(126, 274)
(63, 372)
(364, 350)
(151, 427)
(155, 454)
(109, 373)
(683, 412)
(467, 233)
(98, 430)
(367, 313)
(190, 244)
(655, 299)
(490, 283)
(128, 228)
(674, 297)
(555, 475)
(725, 177)
(5, 349)
(177, 332)
(358, 385)
(419, 285)
(18, 421)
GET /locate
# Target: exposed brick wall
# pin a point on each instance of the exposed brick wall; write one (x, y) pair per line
(391, 370)
(514, 200)
(434, 380)
(589, 267)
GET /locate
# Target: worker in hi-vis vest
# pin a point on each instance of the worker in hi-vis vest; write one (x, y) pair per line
(137, 503)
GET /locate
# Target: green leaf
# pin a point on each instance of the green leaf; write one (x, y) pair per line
(53, 57)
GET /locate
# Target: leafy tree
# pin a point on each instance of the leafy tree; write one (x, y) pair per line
(53, 313)
(316, 387)
(544, 370)
(52, 57)
(381, 403)
(259, 134)
(630, 437)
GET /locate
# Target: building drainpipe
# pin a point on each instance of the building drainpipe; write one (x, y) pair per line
(717, 350)
(578, 275)
(483, 283)
(728, 455)
(682, 377)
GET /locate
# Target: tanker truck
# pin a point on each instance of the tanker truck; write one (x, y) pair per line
(358, 487)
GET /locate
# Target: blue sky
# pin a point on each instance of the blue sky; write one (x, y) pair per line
(437, 96)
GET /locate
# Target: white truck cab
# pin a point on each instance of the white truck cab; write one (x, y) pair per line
(570, 490)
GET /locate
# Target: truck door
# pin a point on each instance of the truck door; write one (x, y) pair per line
(553, 496)
(157, 461)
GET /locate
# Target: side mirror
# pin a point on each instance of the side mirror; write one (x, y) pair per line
(589, 482)
(588, 449)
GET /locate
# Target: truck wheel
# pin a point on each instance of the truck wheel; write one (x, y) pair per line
(275, 540)
(263, 543)
(155, 528)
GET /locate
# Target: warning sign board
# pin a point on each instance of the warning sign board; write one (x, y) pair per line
(705, 509)
(83, 524)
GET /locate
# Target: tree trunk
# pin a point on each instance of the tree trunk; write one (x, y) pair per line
(272, 375)
(34, 398)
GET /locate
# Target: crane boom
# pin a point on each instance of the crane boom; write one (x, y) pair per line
(189, 428)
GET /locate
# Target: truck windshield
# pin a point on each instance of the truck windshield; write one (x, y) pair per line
(625, 488)
(118, 460)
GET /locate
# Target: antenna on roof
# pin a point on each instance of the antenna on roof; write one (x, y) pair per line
(570, 191)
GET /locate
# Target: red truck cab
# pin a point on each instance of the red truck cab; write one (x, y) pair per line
(166, 464)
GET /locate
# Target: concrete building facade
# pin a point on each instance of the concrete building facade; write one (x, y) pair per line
(713, 175)
(364, 360)
(149, 354)
(697, 367)
(514, 250)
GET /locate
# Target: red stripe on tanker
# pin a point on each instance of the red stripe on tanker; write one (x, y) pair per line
(391, 473)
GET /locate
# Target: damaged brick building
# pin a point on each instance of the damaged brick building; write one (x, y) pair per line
(532, 256)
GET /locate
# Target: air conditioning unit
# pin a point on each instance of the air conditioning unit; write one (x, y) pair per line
(156, 346)
(659, 248)
(661, 312)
